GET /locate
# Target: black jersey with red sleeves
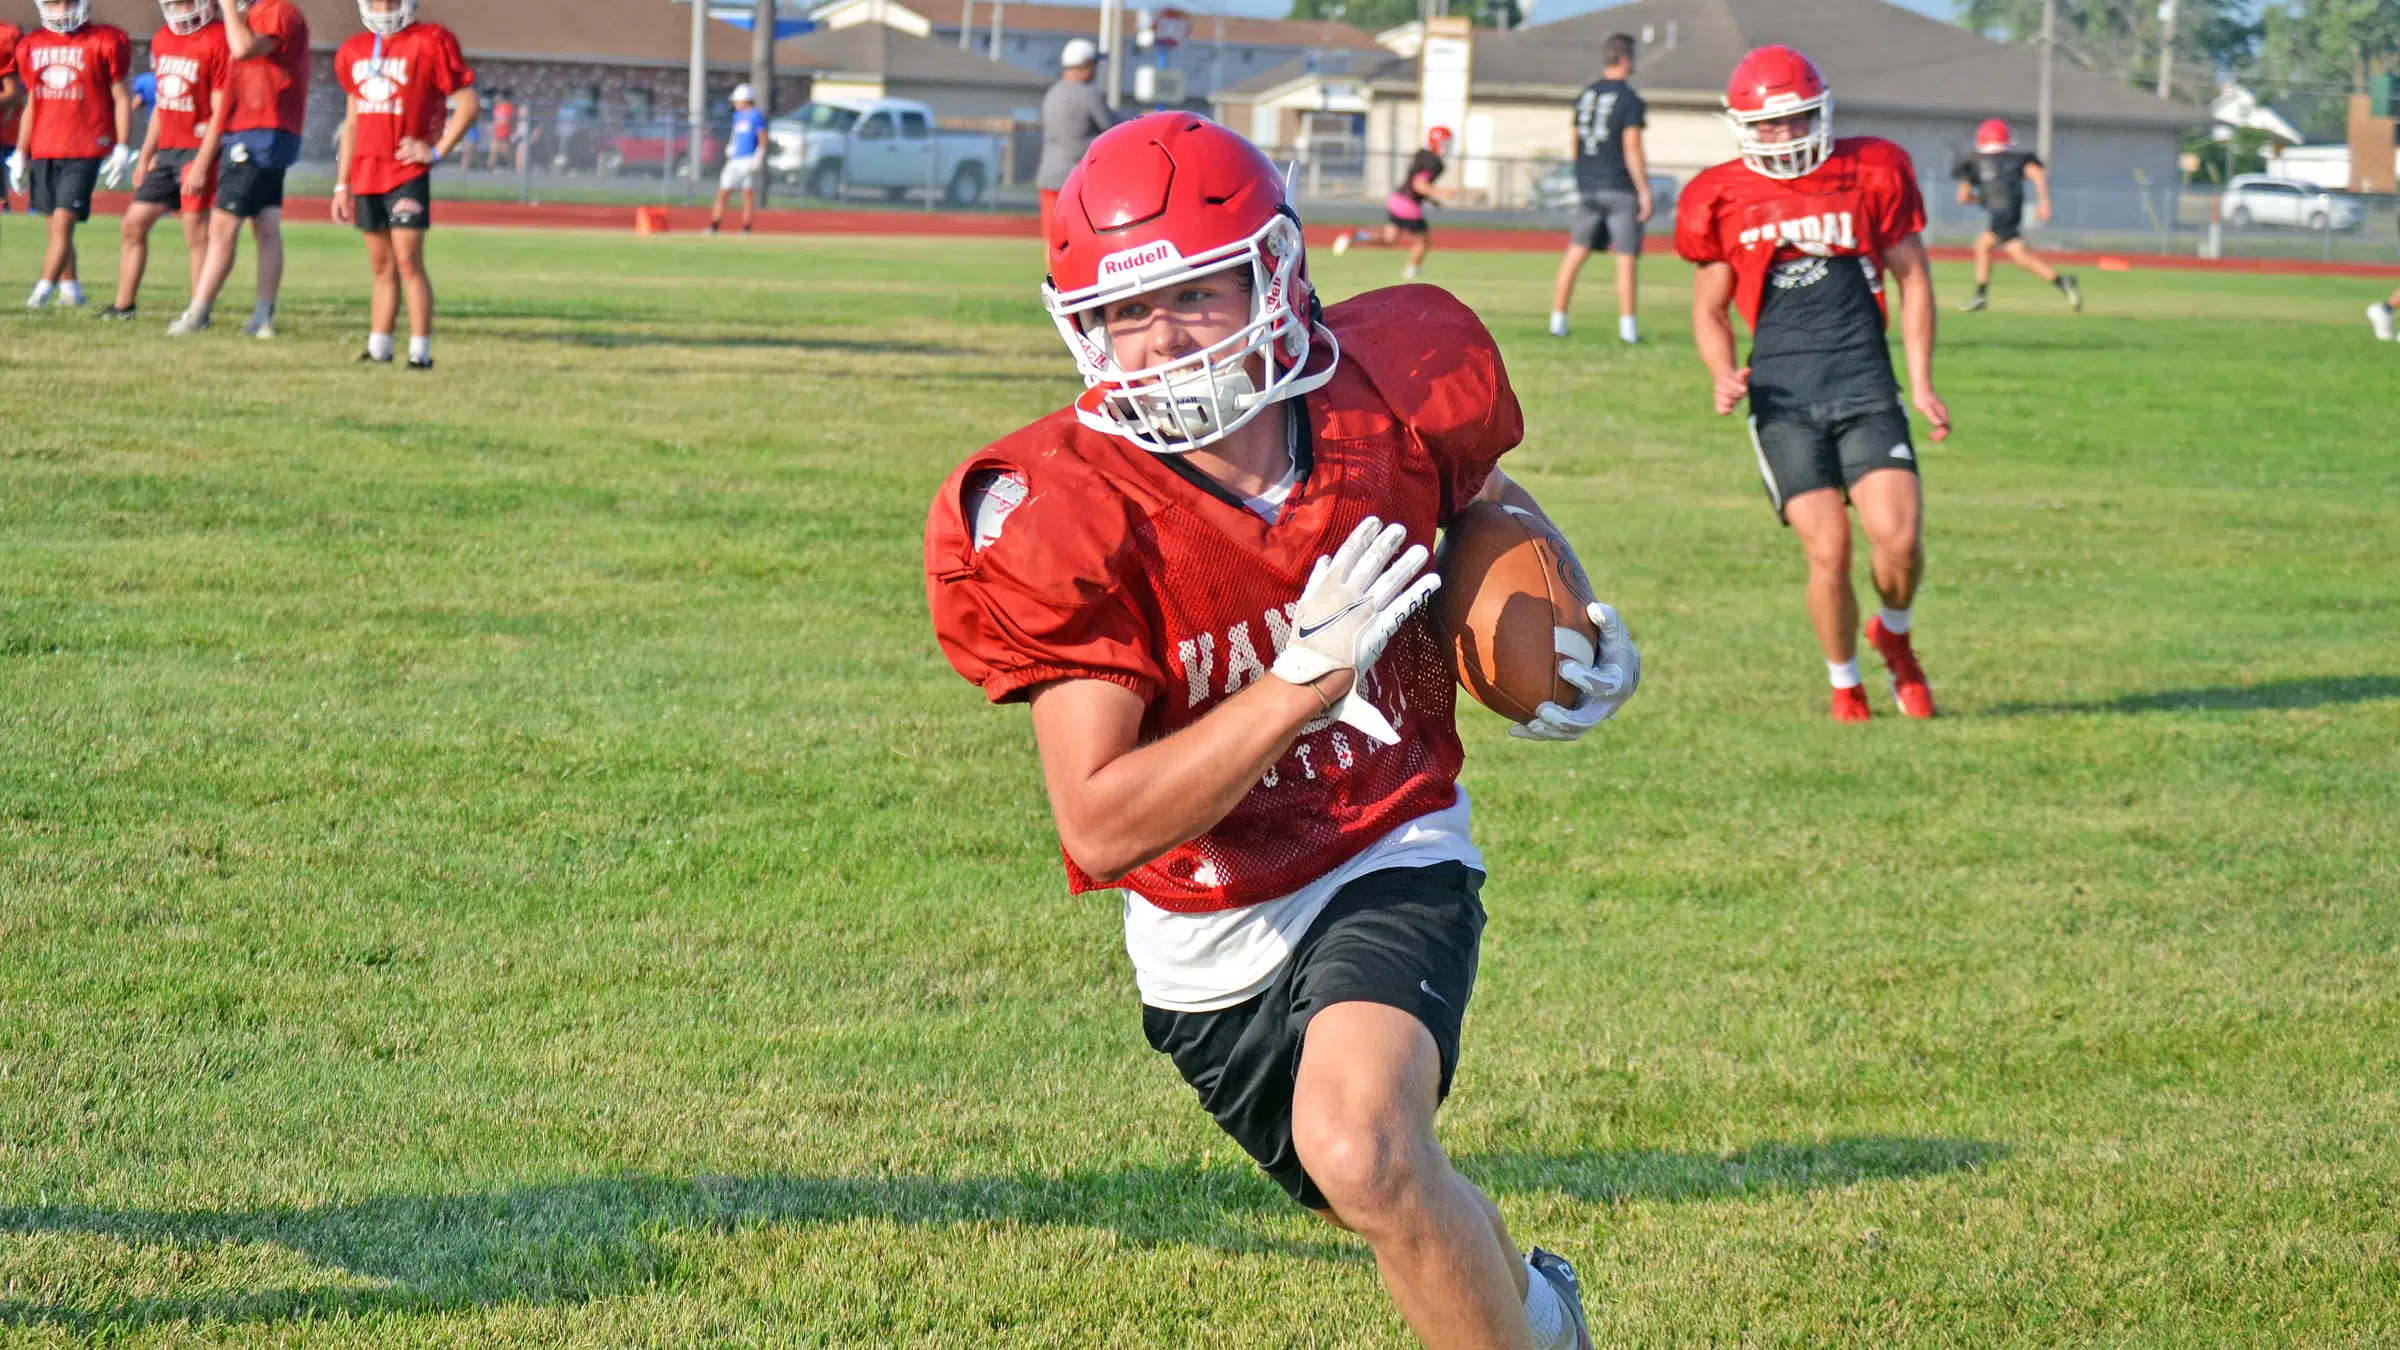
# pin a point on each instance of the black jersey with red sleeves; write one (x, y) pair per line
(1106, 564)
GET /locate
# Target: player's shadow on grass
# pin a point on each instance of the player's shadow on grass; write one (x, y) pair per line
(574, 1241)
(2268, 695)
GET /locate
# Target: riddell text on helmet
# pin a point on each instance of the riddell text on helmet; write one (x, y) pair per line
(1143, 259)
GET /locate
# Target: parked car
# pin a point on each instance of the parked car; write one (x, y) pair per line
(2260, 199)
(1556, 191)
(647, 147)
(833, 145)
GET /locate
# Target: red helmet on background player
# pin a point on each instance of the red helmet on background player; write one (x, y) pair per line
(1438, 140)
(1992, 137)
(1154, 201)
(1771, 84)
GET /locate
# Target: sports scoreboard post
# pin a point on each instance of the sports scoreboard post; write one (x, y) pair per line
(1445, 77)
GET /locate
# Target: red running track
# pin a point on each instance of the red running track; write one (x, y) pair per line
(959, 225)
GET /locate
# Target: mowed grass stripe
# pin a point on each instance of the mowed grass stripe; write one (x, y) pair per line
(496, 858)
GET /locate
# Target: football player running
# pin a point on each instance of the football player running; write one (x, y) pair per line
(1801, 234)
(177, 169)
(399, 76)
(1994, 177)
(1404, 210)
(72, 136)
(1205, 576)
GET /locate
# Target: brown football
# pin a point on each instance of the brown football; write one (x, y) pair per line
(1512, 601)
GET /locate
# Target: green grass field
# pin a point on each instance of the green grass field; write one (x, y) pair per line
(496, 858)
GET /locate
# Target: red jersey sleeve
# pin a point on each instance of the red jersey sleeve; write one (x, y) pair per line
(8, 51)
(1440, 373)
(1900, 203)
(451, 72)
(1045, 596)
(116, 58)
(1696, 238)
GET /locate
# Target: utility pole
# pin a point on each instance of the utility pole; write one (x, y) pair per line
(762, 75)
(966, 23)
(1112, 37)
(2042, 117)
(999, 8)
(2166, 47)
(699, 92)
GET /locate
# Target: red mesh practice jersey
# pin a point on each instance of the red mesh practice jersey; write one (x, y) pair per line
(67, 78)
(190, 70)
(1114, 567)
(1859, 202)
(270, 93)
(9, 36)
(403, 93)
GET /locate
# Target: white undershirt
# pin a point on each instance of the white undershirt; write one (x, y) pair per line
(1203, 962)
(1269, 504)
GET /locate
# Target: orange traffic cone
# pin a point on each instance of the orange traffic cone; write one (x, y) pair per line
(649, 220)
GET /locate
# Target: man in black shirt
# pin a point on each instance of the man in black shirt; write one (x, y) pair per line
(1995, 177)
(1613, 180)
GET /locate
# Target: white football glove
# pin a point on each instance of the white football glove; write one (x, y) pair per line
(120, 161)
(1355, 600)
(1615, 672)
(16, 173)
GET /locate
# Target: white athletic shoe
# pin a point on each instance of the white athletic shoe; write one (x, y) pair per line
(2379, 316)
(1558, 325)
(189, 322)
(39, 299)
(1341, 243)
(1409, 273)
(1554, 1268)
(261, 326)
(1628, 329)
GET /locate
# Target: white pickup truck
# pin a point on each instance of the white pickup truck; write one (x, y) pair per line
(833, 145)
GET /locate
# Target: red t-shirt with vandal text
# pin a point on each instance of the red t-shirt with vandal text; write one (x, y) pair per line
(190, 71)
(401, 91)
(68, 77)
(1108, 565)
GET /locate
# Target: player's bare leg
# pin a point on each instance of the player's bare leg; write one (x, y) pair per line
(1419, 245)
(1562, 292)
(267, 229)
(133, 254)
(716, 215)
(1629, 293)
(195, 242)
(1363, 1105)
(224, 245)
(383, 295)
(58, 259)
(1891, 508)
(1984, 244)
(1822, 522)
(2031, 261)
(749, 208)
(408, 256)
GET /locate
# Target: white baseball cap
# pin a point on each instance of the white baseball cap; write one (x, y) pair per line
(743, 93)
(1079, 52)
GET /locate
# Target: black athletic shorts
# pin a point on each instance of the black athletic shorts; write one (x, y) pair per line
(54, 185)
(406, 207)
(1829, 445)
(163, 185)
(245, 187)
(2007, 225)
(1407, 226)
(1407, 938)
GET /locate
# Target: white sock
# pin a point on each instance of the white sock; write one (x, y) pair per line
(70, 292)
(1558, 323)
(262, 312)
(1409, 272)
(379, 346)
(420, 349)
(1844, 674)
(1544, 1314)
(1895, 621)
(41, 293)
(1627, 329)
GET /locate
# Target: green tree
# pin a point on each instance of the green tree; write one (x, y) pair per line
(2120, 38)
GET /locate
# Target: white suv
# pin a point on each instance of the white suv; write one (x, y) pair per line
(2257, 199)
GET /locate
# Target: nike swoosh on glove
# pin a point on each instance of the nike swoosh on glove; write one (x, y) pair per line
(1614, 673)
(1356, 598)
(112, 174)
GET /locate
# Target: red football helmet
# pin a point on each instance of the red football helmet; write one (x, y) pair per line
(1154, 201)
(1771, 84)
(1438, 140)
(1992, 137)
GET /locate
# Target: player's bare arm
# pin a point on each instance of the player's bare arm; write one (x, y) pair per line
(345, 146)
(1712, 332)
(150, 134)
(1906, 265)
(243, 42)
(212, 137)
(2039, 176)
(463, 107)
(1637, 165)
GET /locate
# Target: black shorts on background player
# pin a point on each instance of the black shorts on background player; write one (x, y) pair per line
(54, 185)
(1407, 938)
(1829, 445)
(163, 185)
(247, 188)
(406, 207)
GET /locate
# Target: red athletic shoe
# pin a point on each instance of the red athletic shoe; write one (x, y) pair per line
(1850, 705)
(1908, 678)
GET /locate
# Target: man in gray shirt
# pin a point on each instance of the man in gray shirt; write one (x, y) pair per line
(1073, 112)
